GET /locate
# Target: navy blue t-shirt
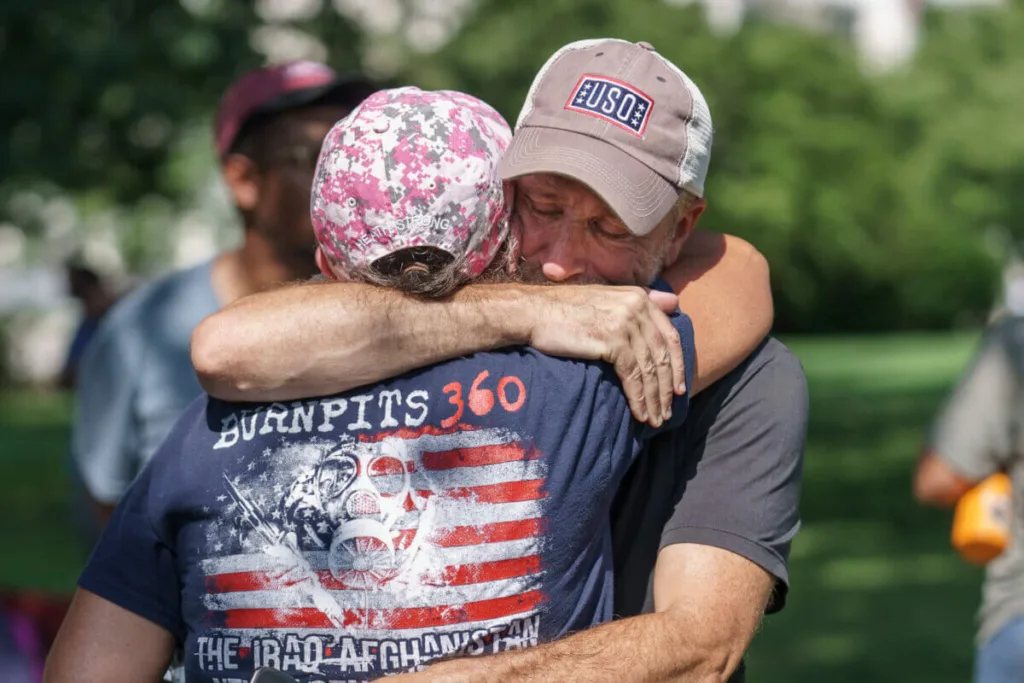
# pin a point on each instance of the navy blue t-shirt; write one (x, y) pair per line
(462, 508)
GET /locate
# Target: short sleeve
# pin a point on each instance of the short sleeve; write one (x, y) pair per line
(132, 566)
(103, 434)
(744, 446)
(973, 432)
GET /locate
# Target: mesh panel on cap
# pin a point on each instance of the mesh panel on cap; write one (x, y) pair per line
(693, 167)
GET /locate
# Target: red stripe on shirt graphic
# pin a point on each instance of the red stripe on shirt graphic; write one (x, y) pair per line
(389, 534)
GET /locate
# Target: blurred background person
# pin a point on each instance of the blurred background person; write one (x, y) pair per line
(96, 296)
(136, 376)
(977, 435)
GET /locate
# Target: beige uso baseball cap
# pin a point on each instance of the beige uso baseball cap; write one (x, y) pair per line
(620, 118)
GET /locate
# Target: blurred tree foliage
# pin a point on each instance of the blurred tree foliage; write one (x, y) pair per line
(870, 195)
(97, 95)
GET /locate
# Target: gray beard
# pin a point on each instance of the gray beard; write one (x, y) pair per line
(645, 271)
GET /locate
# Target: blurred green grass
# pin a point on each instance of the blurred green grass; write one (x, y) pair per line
(39, 547)
(877, 593)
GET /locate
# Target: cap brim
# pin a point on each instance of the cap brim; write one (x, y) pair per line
(345, 90)
(639, 196)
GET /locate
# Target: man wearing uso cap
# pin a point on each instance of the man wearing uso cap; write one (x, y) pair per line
(137, 376)
(607, 166)
(621, 119)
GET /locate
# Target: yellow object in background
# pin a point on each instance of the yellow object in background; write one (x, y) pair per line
(981, 524)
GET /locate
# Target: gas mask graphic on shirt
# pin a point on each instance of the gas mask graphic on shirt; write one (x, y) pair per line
(351, 506)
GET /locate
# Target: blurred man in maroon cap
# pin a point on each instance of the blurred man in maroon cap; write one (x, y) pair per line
(137, 377)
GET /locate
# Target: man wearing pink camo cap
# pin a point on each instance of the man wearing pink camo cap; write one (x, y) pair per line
(455, 510)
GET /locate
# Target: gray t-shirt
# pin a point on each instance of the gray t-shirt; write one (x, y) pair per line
(136, 378)
(978, 433)
(730, 477)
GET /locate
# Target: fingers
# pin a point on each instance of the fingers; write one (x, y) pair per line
(631, 377)
(671, 375)
(640, 344)
(665, 301)
(642, 358)
(626, 327)
(656, 362)
(674, 349)
(644, 370)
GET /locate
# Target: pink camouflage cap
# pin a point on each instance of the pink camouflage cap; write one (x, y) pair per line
(411, 168)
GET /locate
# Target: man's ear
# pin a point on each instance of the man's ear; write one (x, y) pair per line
(243, 179)
(324, 265)
(687, 222)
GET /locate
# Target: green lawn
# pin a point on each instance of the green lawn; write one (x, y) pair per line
(40, 549)
(877, 593)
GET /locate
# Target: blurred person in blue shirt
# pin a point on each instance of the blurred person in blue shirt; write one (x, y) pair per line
(96, 297)
(136, 376)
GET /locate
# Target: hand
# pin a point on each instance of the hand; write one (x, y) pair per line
(625, 326)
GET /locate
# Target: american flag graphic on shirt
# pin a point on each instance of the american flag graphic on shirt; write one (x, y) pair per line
(380, 553)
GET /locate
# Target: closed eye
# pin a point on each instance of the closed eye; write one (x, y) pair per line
(545, 211)
(617, 234)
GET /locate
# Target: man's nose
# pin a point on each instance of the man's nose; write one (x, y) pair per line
(559, 260)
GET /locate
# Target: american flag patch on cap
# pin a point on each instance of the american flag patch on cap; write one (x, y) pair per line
(616, 102)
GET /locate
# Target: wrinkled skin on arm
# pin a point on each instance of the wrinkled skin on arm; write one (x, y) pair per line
(709, 603)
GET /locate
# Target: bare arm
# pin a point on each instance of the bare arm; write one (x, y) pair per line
(310, 340)
(709, 603)
(724, 286)
(316, 340)
(100, 642)
(938, 484)
(320, 339)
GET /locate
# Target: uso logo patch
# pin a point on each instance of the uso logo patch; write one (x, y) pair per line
(613, 101)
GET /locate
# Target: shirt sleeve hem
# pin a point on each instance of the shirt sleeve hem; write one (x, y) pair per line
(116, 592)
(966, 470)
(717, 538)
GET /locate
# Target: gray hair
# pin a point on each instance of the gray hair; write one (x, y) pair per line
(430, 272)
